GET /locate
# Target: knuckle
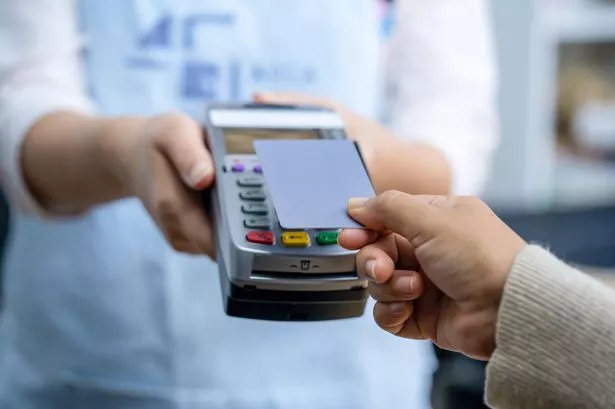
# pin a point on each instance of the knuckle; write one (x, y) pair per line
(175, 118)
(376, 312)
(161, 138)
(389, 199)
(181, 246)
(383, 320)
(384, 294)
(168, 128)
(439, 201)
(176, 237)
(393, 294)
(171, 215)
(373, 290)
(470, 202)
(176, 243)
(167, 210)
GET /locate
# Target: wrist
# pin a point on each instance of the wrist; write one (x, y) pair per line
(504, 259)
(117, 140)
(497, 283)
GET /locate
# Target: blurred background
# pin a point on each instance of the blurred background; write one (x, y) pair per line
(554, 176)
(557, 68)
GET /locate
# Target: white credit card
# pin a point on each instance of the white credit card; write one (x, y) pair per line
(311, 181)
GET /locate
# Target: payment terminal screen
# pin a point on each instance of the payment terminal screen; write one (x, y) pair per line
(240, 141)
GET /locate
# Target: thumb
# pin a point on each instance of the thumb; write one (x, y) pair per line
(404, 214)
(183, 143)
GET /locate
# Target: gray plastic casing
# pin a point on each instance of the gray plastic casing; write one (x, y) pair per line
(315, 268)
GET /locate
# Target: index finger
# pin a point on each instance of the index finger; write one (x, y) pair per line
(354, 239)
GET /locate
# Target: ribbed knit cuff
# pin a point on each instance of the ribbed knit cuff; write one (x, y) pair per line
(555, 338)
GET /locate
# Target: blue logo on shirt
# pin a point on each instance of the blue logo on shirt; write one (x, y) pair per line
(207, 80)
(200, 79)
(160, 35)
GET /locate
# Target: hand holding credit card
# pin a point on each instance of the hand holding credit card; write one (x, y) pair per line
(311, 181)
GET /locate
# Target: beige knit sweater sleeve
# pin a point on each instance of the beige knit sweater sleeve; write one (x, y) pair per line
(555, 338)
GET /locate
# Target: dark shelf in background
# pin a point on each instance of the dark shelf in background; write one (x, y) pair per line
(584, 236)
(4, 225)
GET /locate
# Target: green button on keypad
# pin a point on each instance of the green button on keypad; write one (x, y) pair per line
(327, 238)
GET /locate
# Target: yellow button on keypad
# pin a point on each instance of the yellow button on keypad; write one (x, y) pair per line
(295, 239)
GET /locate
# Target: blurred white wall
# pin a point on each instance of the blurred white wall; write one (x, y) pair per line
(530, 172)
(512, 27)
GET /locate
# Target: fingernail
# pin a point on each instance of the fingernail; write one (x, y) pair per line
(356, 202)
(370, 269)
(198, 173)
(396, 308)
(405, 285)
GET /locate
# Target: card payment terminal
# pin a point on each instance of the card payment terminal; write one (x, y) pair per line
(267, 272)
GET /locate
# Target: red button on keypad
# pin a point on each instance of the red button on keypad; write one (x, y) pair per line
(260, 237)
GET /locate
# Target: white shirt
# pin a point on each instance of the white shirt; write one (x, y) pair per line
(441, 81)
(99, 309)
